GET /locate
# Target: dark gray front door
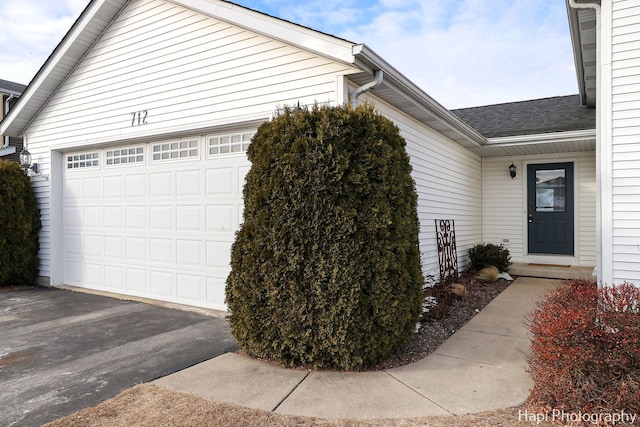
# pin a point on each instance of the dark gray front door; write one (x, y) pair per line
(550, 208)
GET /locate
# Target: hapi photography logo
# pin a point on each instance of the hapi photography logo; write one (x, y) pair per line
(557, 415)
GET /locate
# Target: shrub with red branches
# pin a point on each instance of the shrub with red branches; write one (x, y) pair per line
(585, 352)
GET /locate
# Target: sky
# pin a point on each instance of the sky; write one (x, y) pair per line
(463, 53)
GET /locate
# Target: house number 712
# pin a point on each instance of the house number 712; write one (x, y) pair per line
(139, 118)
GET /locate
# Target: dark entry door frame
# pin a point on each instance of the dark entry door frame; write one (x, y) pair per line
(551, 211)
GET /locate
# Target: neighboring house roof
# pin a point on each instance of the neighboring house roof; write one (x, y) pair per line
(557, 114)
(11, 88)
(395, 89)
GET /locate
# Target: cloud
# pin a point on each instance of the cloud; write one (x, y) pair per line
(32, 29)
(474, 52)
(461, 52)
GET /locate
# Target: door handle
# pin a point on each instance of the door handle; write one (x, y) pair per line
(530, 217)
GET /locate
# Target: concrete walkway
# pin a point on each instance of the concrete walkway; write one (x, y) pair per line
(479, 368)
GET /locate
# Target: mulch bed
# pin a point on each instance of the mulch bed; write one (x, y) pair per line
(434, 332)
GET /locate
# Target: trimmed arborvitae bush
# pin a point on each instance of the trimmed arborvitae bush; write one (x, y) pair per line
(19, 227)
(585, 351)
(326, 266)
(488, 255)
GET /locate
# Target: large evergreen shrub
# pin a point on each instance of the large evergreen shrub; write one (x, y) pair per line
(19, 227)
(326, 266)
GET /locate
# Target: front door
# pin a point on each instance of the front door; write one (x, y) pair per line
(550, 208)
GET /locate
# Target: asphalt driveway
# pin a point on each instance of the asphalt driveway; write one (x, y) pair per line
(61, 351)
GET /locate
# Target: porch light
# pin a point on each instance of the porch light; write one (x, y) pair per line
(25, 162)
(512, 170)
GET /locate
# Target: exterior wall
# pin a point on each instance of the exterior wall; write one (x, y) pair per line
(448, 183)
(625, 141)
(184, 73)
(505, 204)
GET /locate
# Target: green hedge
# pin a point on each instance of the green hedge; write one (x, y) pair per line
(488, 255)
(19, 227)
(326, 266)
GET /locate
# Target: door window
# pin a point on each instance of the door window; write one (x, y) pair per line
(550, 190)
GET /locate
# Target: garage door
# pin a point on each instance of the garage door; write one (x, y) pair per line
(155, 220)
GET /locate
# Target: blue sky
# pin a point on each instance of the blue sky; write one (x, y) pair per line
(461, 52)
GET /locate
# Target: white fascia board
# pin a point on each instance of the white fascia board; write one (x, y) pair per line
(6, 151)
(541, 138)
(288, 32)
(574, 31)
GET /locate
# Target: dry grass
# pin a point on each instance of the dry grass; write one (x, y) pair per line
(488, 274)
(151, 405)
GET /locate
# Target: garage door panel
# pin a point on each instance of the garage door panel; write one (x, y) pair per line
(92, 188)
(72, 216)
(92, 217)
(190, 287)
(162, 284)
(73, 244)
(113, 216)
(161, 251)
(188, 183)
(188, 218)
(135, 217)
(73, 189)
(93, 246)
(220, 181)
(220, 218)
(161, 218)
(93, 275)
(218, 254)
(159, 229)
(114, 278)
(136, 249)
(74, 273)
(112, 187)
(136, 281)
(113, 247)
(135, 186)
(215, 291)
(188, 252)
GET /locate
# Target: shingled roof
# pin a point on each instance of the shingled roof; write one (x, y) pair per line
(557, 114)
(11, 87)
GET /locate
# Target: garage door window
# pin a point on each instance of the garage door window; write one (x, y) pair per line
(183, 149)
(83, 160)
(231, 143)
(124, 156)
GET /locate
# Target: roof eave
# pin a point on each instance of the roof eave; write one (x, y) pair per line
(574, 30)
(465, 135)
(55, 70)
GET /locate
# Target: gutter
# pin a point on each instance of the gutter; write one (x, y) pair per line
(368, 60)
(379, 75)
(6, 111)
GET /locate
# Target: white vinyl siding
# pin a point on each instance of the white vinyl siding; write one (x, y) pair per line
(448, 183)
(182, 71)
(625, 150)
(505, 204)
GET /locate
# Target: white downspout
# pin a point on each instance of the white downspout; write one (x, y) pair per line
(6, 111)
(604, 219)
(367, 87)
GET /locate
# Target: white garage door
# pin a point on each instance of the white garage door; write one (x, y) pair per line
(155, 220)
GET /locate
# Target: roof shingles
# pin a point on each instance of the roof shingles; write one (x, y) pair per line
(556, 114)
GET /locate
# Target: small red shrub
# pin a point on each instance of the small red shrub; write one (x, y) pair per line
(585, 351)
